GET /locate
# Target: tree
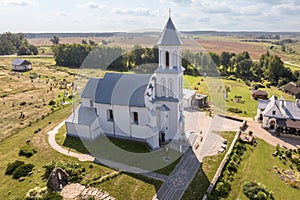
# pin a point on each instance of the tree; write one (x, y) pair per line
(24, 51)
(92, 43)
(33, 49)
(55, 40)
(83, 42)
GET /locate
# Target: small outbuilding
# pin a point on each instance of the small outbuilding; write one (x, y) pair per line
(21, 65)
(259, 94)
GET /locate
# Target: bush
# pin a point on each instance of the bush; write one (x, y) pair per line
(51, 103)
(256, 191)
(223, 189)
(235, 110)
(247, 82)
(27, 151)
(36, 193)
(53, 196)
(22, 171)
(23, 103)
(11, 167)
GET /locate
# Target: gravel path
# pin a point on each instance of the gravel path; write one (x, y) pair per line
(269, 138)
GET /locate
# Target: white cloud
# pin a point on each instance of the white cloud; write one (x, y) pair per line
(92, 5)
(19, 2)
(61, 13)
(135, 11)
(286, 9)
(177, 2)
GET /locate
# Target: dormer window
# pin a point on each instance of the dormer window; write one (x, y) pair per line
(274, 112)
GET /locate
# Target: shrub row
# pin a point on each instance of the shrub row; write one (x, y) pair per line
(223, 187)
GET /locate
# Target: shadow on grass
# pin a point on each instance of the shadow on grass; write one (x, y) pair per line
(76, 144)
(156, 183)
(197, 187)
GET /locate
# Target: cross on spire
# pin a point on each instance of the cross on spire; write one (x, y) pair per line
(169, 12)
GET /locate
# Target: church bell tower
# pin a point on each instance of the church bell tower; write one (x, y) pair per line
(169, 73)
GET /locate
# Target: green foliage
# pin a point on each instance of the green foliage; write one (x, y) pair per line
(15, 43)
(75, 170)
(223, 189)
(27, 151)
(223, 186)
(256, 191)
(42, 193)
(53, 196)
(104, 57)
(36, 193)
(11, 167)
(22, 170)
(235, 110)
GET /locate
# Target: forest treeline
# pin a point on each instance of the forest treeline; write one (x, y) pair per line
(16, 43)
(268, 67)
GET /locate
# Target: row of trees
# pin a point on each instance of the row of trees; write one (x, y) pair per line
(16, 43)
(268, 67)
(105, 57)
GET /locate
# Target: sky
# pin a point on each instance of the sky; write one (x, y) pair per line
(139, 15)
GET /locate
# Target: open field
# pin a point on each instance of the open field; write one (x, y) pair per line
(257, 165)
(30, 92)
(16, 88)
(200, 43)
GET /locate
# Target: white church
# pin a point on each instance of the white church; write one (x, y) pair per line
(145, 108)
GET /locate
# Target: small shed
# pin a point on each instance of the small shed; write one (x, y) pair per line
(21, 65)
(259, 94)
(201, 100)
(291, 89)
(189, 96)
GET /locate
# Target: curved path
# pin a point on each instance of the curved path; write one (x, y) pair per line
(54, 145)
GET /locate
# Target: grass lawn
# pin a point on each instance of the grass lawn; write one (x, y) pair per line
(76, 145)
(134, 186)
(237, 88)
(206, 172)
(257, 165)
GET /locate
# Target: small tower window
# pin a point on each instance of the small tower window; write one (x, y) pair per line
(110, 116)
(167, 59)
(135, 118)
(274, 112)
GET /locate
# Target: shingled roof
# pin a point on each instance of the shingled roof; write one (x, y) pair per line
(118, 89)
(170, 35)
(19, 62)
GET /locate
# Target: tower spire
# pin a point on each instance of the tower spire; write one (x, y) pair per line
(169, 12)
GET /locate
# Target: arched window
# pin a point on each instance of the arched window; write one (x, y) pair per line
(167, 59)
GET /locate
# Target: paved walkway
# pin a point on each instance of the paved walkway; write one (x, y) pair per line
(86, 157)
(269, 138)
(54, 145)
(178, 181)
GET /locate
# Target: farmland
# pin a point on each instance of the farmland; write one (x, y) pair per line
(195, 43)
